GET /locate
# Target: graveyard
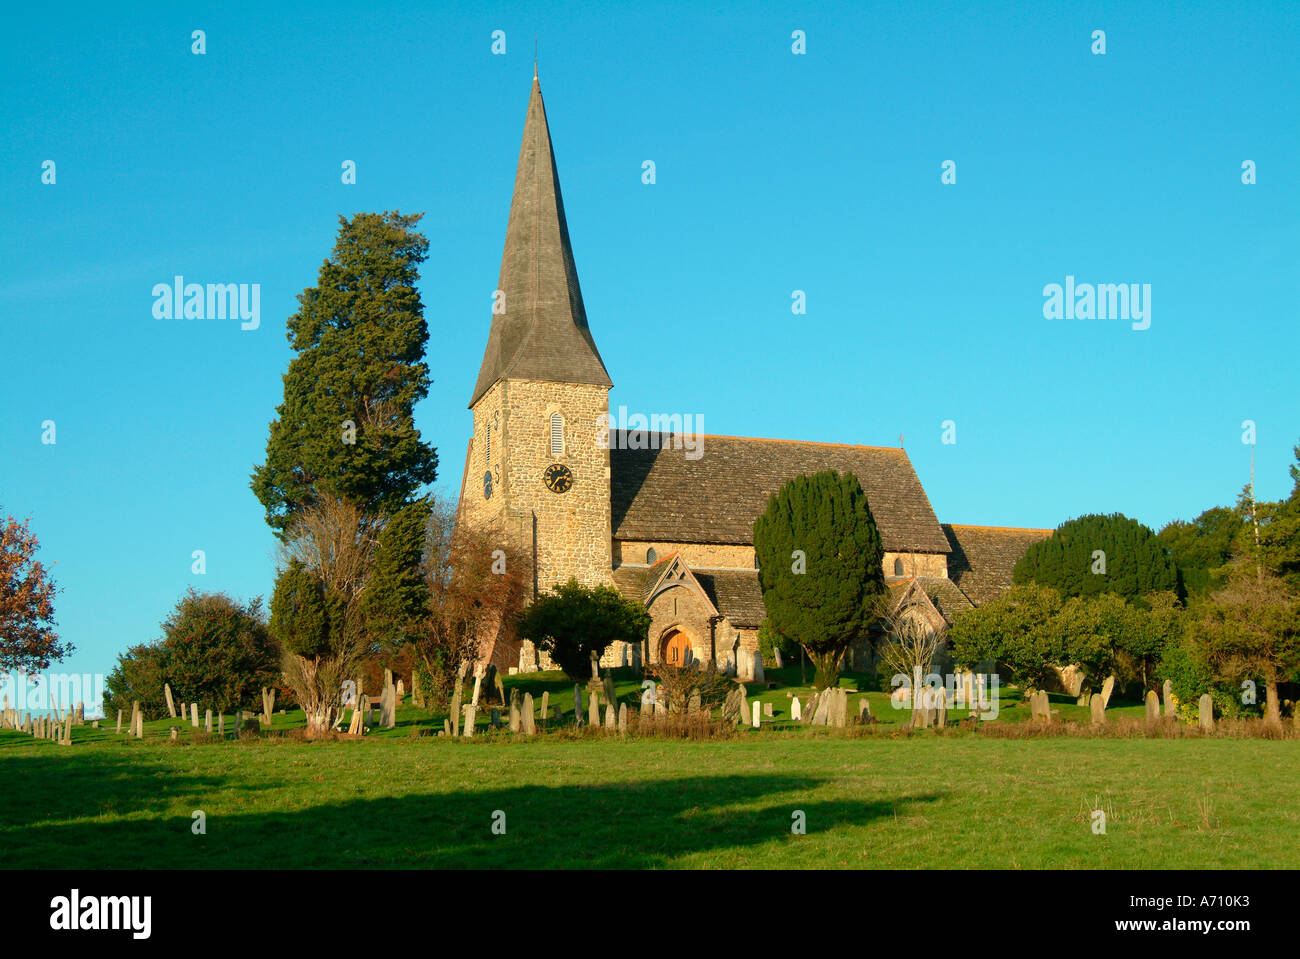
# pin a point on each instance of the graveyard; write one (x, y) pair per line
(1019, 791)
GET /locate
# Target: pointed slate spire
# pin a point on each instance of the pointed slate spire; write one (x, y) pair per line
(543, 332)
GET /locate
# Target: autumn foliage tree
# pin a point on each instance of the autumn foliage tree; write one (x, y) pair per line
(476, 584)
(28, 642)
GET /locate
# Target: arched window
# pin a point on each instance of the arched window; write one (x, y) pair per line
(557, 434)
(651, 557)
(898, 567)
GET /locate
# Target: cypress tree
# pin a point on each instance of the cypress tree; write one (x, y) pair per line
(345, 427)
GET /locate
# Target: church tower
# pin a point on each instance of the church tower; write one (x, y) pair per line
(537, 467)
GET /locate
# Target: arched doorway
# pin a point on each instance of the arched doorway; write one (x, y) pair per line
(675, 647)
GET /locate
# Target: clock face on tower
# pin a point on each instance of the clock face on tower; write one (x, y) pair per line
(558, 478)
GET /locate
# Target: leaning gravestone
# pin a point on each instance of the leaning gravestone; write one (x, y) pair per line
(1107, 688)
(611, 696)
(822, 714)
(1205, 707)
(1152, 706)
(171, 703)
(744, 702)
(1098, 709)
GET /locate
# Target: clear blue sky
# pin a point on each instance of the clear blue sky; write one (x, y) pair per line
(775, 172)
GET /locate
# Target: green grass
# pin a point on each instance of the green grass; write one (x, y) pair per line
(929, 800)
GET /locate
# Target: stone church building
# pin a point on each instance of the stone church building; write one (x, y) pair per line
(667, 530)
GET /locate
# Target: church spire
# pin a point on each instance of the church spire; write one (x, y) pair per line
(542, 332)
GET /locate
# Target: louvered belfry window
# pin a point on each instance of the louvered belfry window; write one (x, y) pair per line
(557, 435)
(487, 445)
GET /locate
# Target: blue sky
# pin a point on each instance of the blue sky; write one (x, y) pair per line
(775, 173)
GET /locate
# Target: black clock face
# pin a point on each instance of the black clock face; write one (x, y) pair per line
(487, 485)
(558, 479)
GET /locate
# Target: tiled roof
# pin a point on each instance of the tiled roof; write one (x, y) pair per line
(543, 332)
(660, 495)
(983, 557)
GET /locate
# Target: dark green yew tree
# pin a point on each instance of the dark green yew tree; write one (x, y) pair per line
(819, 557)
(345, 427)
(1100, 554)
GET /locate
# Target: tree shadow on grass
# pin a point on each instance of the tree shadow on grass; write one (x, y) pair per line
(647, 823)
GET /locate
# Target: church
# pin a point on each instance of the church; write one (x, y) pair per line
(668, 529)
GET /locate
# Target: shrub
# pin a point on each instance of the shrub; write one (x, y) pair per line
(574, 621)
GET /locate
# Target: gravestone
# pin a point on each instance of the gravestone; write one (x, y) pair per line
(528, 722)
(221, 725)
(194, 715)
(744, 703)
(1097, 706)
(767, 711)
(661, 707)
(494, 717)
(401, 691)
(593, 710)
(207, 721)
(611, 718)
(759, 676)
(417, 694)
(577, 706)
(1205, 709)
(941, 714)
(516, 721)
(611, 695)
(757, 713)
(171, 703)
(622, 717)
(119, 721)
(864, 711)
(731, 706)
(1152, 706)
(595, 666)
(1171, 704)
(822, 715)
(693, 705)
(1107, 688)
(478, 686)
(388, 705)
(776, 657)
(744, 665)
(470, 716)
(455, 700)
(546, 704)
(175, 733)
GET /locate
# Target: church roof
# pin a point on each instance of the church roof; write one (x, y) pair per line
(983, 557)
(661, 496)
(542, 333)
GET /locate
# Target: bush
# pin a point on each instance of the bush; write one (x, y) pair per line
(678, 683)
(214, 651)
(574, 621)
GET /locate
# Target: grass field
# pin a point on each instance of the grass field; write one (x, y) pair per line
(953, 799)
